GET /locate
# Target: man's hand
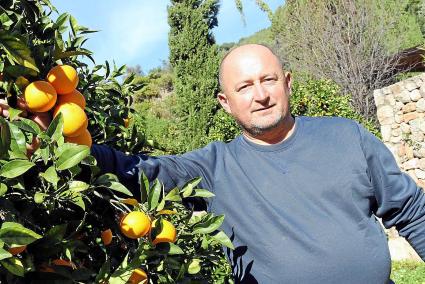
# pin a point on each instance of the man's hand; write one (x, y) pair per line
(20, 104)
(43, 119)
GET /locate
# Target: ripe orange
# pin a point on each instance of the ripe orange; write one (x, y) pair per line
(63, 262)
(17, 250)
(64, 78)
(138, 276)
(73, 97)
(74, 119)
(40, 96)
(167, 234)
(106, 237)
(82, 139)
(135, 225)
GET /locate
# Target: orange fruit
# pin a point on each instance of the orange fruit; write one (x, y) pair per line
(45, 268)
(82, 139)
(64, 78)
(17, 250)
(74, 119)
(73, 97)
(40, 96)
(106, 237)
(167, 234)
(63, 262)
(138, 276)
(135, 225)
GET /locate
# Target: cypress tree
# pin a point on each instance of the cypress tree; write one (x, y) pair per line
(194, 57)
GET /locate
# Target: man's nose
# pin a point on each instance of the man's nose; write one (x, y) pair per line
(261, 93)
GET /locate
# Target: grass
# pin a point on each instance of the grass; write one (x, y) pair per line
(408, 272)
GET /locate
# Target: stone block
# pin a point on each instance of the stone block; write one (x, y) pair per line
(405, 128)
(386, 132)
(409, 116)
(415, 95)
(409, 107)
(395, 89)
(420, 105)
(410, 85)
(411, 164)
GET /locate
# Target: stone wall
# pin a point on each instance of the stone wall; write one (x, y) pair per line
(401, 114)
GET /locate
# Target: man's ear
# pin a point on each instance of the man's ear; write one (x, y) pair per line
(288, 80)
(222, 99)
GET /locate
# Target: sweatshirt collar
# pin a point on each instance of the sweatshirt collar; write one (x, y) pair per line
(274, 147)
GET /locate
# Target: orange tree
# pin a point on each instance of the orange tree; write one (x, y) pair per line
(61, 219)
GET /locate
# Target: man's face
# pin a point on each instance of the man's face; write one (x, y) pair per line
(255, 89)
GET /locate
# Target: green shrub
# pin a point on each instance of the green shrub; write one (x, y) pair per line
(324, 98)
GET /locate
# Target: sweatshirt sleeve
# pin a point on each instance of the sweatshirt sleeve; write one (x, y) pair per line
(399, 201)
(171, 170)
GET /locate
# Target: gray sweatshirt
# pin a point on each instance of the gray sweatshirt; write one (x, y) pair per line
(301, 211)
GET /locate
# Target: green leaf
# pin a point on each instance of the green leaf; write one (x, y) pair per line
(19, 70)
(194, 266)
(15, 168)
(18, 142)
(208, 226)
(14, 266)
(57, 233)
(66, 54)
(105, 179)
(3, 189)
(173, 195)
(122, 273)
(39, 197)
(17, 50)
(154, 194)
(78, 186)
(144, 186)
(61, 20)
(74, 25)
(74, 197)
(27, 125)
(17, 235)
(169, 248)
(104, 272)
(223, 239)
(55, 128)
(4, 254)
(116, 186)
(72, 156)
(202, 193)
(14, 113)
(5, 137)
(189, 186)
(51, 176)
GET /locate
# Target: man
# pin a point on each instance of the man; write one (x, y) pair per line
(300, 194)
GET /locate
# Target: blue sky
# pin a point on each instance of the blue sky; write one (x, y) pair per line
(135, 31)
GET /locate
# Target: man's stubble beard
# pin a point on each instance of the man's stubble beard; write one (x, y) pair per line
(258, 129)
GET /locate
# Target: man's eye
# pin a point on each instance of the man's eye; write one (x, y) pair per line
(243, 87)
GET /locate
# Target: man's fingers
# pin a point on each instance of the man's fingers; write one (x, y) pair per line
(43, 119)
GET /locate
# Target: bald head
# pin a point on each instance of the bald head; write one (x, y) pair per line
(243, 50)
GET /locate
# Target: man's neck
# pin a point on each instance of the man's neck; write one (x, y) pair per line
(276, 135)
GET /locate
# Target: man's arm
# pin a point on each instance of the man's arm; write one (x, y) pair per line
(171, 170)
(399, 201)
